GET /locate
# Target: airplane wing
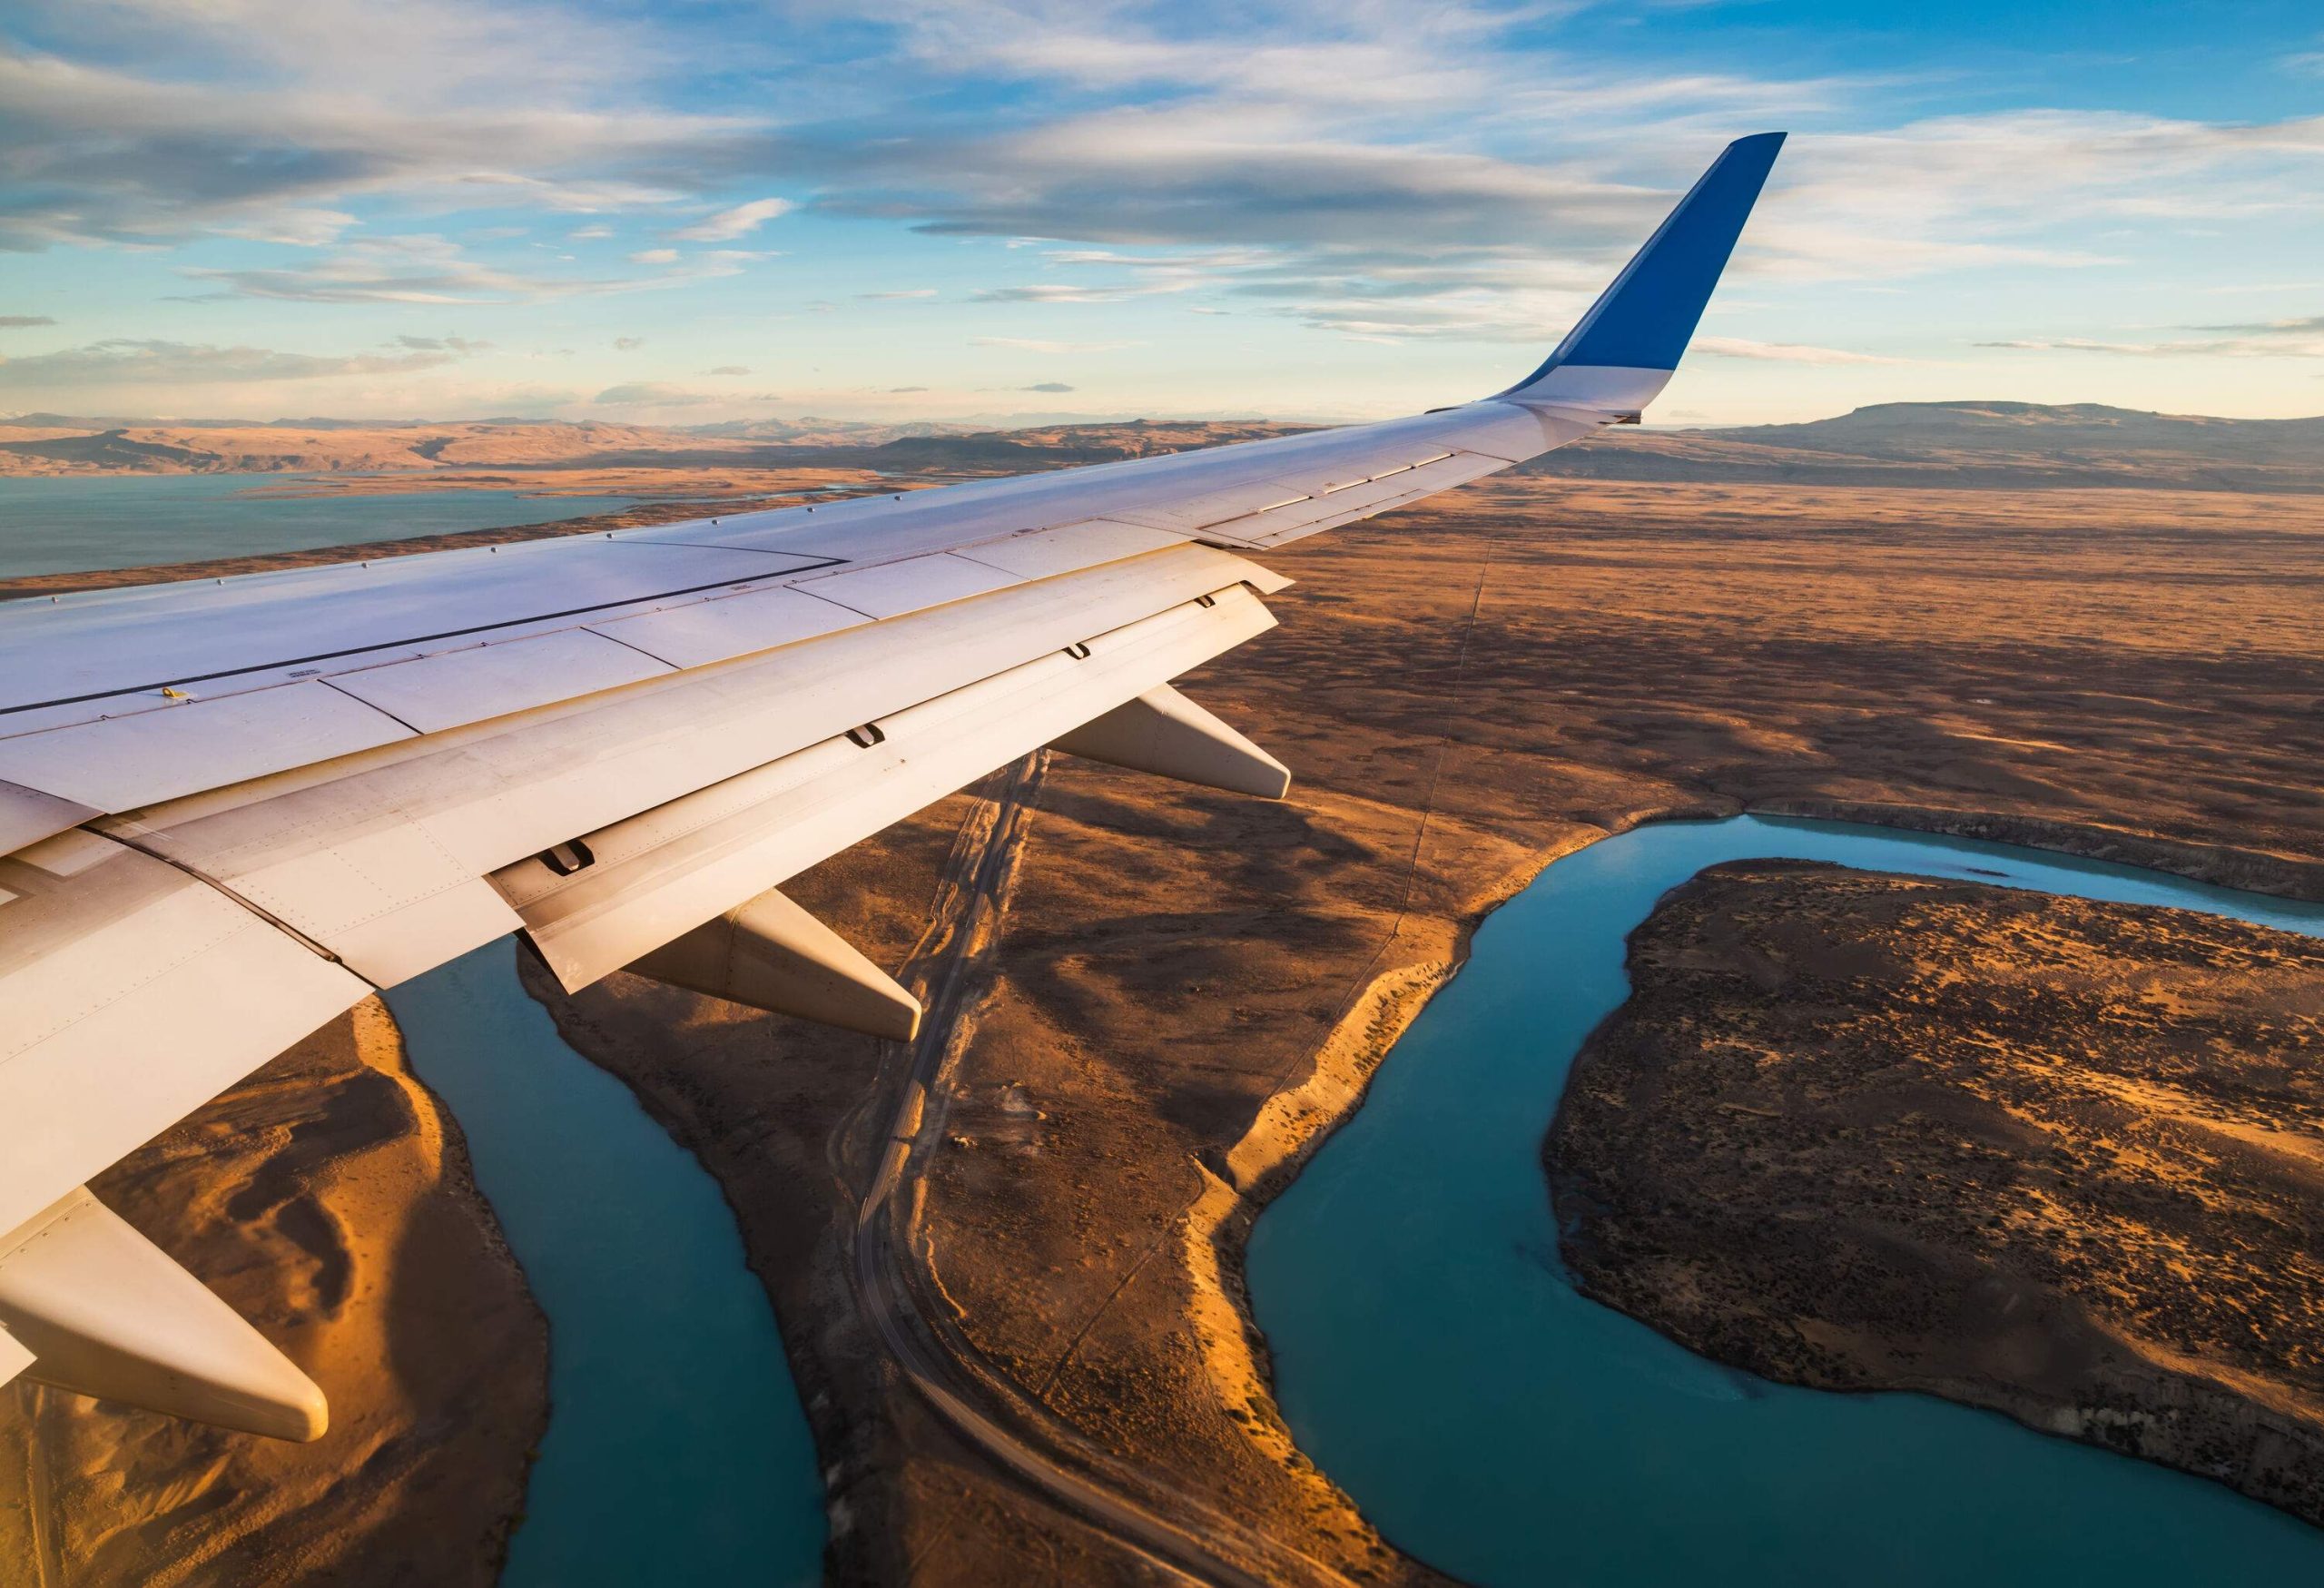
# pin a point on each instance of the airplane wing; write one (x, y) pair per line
(231, 809)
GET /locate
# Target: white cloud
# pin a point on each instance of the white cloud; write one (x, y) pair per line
(1735, 347)
(146, 153)
(739, 221)
(1040, 345)
(1068, 293)
(124, 361)
(440, 344)
(663, 394)
(428, 269)
(2295, 340)
(417, 269)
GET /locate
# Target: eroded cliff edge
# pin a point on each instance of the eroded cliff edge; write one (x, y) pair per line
(2060, 1158)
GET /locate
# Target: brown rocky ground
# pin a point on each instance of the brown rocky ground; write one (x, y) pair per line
(2060, 1158)
(327, 1199)
(1191, 987)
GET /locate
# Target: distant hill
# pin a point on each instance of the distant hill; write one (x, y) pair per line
(47, 444)
(1988, 445)
(1061, 445)
(50, 444)
(1975, 444)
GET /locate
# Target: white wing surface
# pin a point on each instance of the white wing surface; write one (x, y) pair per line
(230, 809)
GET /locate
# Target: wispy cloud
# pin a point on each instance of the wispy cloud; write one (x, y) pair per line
(117, 154)
(430, 269)
(1068, 293)
(440, 344)
(2301, 326)
(126, 362)
(663, 394)
(1044, 345)
(1466, 171)
(739, 221)
(22, 321)
(2270, 343)
(1736, 347)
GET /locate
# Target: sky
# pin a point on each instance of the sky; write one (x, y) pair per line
(971, 210)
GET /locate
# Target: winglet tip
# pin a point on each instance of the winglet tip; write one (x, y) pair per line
(1621, 352)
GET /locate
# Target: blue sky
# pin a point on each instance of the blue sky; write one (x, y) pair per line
(988, 208)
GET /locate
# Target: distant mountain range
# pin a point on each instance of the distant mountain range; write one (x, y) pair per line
(1988, 444)
(1939, 444)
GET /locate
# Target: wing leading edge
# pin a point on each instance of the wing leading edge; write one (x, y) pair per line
(229, 810)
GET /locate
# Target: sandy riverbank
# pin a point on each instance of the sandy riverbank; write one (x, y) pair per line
(327, 1199)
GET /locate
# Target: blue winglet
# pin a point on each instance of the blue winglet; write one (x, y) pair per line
(1645, 320)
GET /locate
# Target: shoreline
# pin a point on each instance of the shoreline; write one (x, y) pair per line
(1298, 1119)
(2078, 1352)
(330, 1198)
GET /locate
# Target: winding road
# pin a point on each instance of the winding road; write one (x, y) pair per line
(950, 969)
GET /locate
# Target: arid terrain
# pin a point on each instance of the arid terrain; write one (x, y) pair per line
(2058, 1158)
(1165, 996)
(1899, 444)
(556, 456)
(327, 1199)
(1189, 986)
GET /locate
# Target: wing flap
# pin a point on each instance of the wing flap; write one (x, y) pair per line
(29, 815)
(379, 859)
(666, 870)
(131, 993)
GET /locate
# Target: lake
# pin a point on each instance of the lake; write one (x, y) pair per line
(1431, 1358)
(79, 523)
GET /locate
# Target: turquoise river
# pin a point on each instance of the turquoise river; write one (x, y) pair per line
(1430, 1355)
(676, 1450)
(1432, 1359)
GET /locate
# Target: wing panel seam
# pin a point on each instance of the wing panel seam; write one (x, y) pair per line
(418, 639)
